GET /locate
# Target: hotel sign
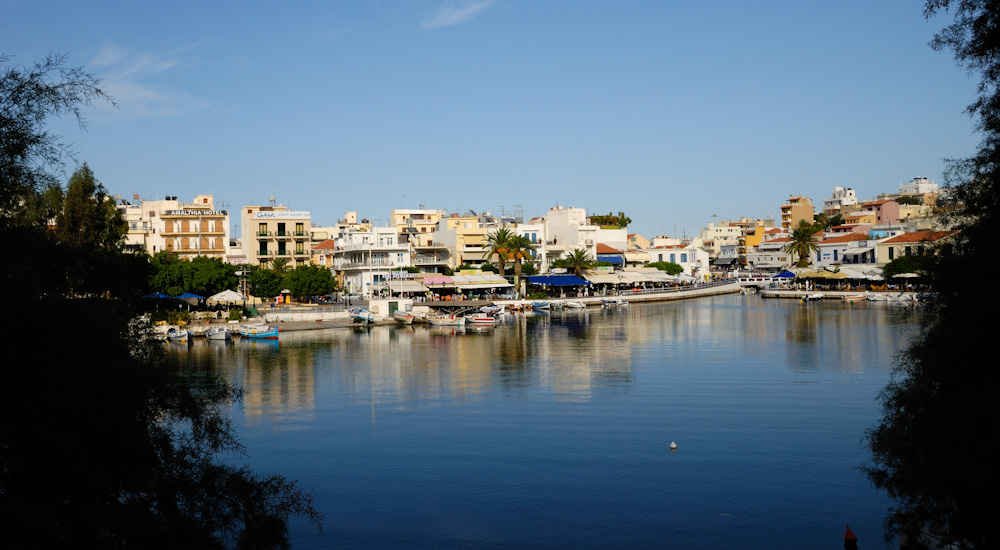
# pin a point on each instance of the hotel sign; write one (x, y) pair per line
(195, 213)
(270, 215)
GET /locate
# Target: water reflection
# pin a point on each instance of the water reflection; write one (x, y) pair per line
(564, 355)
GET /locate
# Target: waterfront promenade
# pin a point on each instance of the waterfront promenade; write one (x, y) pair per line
(297, 318)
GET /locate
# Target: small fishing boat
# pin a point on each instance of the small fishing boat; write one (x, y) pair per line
(218, 333)
(402, 317)
(540, 305)
(260, 333)
(177, 334)
(480, 319)
(613, 302)
(573, 304)
(360, 315)
(445, 320)
(856, 298)
(812, 297)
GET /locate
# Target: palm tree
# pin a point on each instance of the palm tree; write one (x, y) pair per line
(520, 247)
(577, 262)
(499, 245)
(280, 265)
(802, 244)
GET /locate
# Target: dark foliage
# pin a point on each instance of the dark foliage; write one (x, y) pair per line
(101, 444)
(932, 451)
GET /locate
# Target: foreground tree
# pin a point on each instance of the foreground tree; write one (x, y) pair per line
(933, 450)
(102, 444)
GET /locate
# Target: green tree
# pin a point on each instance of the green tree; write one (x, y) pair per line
(802, 243)
(31, 156)
(521, 248)
(670, 267)
(169, 274)
(88, 216)
(265, 283)
(125, 452)
(905, 264)
(499, 246)
(576, 262)
(211, 276)
(932, 452)
(310, 280)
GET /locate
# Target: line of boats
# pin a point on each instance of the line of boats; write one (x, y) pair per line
(256, 332)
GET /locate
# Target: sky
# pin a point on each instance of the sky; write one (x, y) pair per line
(677, 113)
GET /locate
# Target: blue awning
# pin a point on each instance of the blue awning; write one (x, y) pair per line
(556, 280)
(615, 259)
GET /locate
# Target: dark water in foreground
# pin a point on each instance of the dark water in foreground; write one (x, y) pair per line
(554, 430)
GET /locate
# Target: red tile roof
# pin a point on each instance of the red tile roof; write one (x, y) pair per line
(920, 236)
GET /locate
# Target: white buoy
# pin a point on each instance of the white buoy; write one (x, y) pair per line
(673, 445)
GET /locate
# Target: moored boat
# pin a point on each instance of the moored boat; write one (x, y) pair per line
(573, 304)
(445, 319)
(403, 317)
(540, 305)
(480, 319)
(856, 298)
(218, 333)
(177, 334)
(260, 333)
(360, 315)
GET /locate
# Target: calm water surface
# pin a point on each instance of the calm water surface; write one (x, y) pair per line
(553, 430)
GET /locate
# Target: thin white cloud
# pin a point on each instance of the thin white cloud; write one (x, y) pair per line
(124, 78)
(455, 13)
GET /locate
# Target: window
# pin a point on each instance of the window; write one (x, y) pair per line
(684, 258)
(300, 229)
(262, 229)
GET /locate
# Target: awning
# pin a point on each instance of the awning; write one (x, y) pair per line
(724, 261)
(614, 259)
(403, 286)
(557, 280)
(637, 256)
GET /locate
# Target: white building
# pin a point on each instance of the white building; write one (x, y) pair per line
(841, 197)
(694, 260)
(918, 186)
(362, 259)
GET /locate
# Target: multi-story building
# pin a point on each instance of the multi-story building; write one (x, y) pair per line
(796, 210)
(190, 229)
(416, 226)
(842, 201)
(363, 259)
(465, 238)
(275, 232)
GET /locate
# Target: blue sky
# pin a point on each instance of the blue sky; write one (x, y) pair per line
(669, 111)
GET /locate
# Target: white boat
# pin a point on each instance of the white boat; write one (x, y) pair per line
(218, 333)
(176, 334)
(403, 317)
(494, 309)
(612, 302)
(573, 304)
(540, 305)
(360, 315)
(812, 297)
(856, 298)
(445, 320)
(480, 319)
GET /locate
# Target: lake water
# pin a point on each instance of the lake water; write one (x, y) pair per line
(553, 430)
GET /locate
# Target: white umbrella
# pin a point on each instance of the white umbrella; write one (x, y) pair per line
(228, 296)
(905, 276)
